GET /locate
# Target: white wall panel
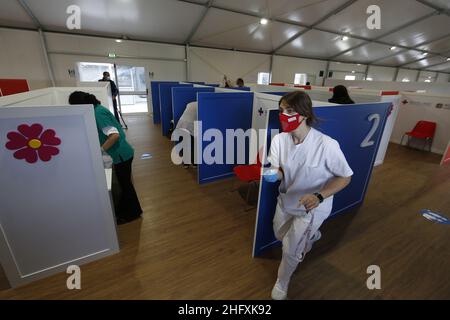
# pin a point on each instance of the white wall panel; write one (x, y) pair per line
(21, 57)
(285, 68)
(211, 65)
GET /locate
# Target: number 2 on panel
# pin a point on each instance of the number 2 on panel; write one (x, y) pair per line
(367, 142)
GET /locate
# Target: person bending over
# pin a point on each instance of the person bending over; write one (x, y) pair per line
(113, 142)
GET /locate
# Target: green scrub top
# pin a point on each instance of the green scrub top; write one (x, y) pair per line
(121, 151)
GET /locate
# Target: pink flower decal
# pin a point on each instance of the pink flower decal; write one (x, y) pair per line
(31, 143)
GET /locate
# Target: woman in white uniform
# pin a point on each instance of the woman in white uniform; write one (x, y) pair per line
(312, 168)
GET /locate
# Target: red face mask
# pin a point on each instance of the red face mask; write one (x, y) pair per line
(290, 122)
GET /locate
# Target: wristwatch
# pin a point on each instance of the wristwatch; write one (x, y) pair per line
(319, 196)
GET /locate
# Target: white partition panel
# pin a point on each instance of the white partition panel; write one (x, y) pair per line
(41, 97)
(415, 107)
(389, 127)
(55, 207)
(269, 88)
(58, 96)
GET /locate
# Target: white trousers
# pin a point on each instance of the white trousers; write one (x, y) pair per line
(296, 233)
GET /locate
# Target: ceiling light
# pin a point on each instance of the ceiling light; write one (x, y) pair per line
(119, 40)
(448, 59)
(264, 21)
(345, 38)
(393, 48)
(369, 79)
(424, 54)
(353, 71)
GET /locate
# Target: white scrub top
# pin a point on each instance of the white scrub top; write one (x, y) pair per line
(307, 167)
(188, 118)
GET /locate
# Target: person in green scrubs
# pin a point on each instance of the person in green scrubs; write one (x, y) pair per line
(113, 142)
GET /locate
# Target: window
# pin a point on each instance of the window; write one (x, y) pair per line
(264, 78)
(350, 77)
(300, 79)
(93, 71)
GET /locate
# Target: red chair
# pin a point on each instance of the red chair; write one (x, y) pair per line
(422, 130)
(250, 174)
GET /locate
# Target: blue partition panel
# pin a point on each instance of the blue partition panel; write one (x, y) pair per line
(222, 111)
(181, 97)
(155, 99)
(350, 125)
(165, 100)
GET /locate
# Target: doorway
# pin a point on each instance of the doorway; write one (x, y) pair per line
(130, 80)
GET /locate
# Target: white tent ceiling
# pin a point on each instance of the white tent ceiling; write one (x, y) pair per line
(300, 28)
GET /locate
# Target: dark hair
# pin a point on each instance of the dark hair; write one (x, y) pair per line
(80, 97)
(240, 82)
(105, 73)
(340, 91)
(341, 96)
(308, 83)
(301, 103)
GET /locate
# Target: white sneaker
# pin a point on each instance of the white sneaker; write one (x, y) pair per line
(278, 293)
(316, 237)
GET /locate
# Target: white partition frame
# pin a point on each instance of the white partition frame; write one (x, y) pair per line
(446, 156)
(58, 95)
(19, 250)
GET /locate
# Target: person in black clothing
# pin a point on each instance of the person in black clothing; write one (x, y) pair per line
(240, 82)
(114, 92)
(340, 96)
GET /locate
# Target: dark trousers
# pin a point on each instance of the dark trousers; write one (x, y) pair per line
(116, 112)
(127, 205)
(192, 152)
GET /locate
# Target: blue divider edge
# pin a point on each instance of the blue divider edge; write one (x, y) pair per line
(349, 125)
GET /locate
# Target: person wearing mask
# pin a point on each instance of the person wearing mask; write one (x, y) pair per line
(240, 82)
(113, 142)
(114, 92)
(312, 168)
(341, 96)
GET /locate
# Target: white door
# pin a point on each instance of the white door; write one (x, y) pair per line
(132, 83)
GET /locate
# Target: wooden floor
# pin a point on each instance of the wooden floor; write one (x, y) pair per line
(195, 242)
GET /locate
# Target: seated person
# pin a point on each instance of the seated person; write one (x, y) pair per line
(226, 83)
(240, 82)
(341, 96)
(186, 122)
